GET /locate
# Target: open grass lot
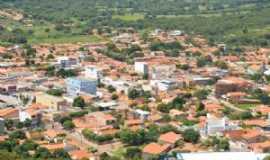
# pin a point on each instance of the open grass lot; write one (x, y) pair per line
(129, 17)
(246, 106)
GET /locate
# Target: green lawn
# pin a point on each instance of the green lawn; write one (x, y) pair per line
(129, 17)
(246, 106)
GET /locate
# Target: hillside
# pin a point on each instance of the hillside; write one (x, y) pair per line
(232, 21)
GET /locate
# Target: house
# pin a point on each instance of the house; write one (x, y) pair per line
(198, 80)
(231, 84)
(103, 106)
(212, 107)
(141, 68)
(53, 135)
(166, 85)
(176, 113)
(262, 109)
(235, 97)
(52, 102)
(8, 88)
(253, 136)
(81, 154)
(170, 138)
(92, 72)
(9, 113)
(141, 114)
(261, 123)
(98, 120)
(133, 124)
(75, 86)
(66, 62)
(160, 72)
(154, 149)
(32, 114)
(53, 146)
(262, 147)
(214, 125)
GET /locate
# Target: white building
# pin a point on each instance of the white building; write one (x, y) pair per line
(141, 68)
(119, 85)
(176, 33)
(66, 62)
(165, 85)
(214, 125)
(92, 72)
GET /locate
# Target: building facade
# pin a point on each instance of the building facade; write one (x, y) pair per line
(75, 86)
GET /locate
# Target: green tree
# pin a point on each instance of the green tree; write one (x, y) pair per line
(79, 102)
(190, 135)
(68, 125)
(111, 89)
(133, 152)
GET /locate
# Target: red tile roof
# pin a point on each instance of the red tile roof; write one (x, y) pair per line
(170, 137)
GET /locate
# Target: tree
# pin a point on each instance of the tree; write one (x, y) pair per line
(133, 152)
(79, 102)
(66, 73)
(190, 135)
(111, 89)
(27, 122)
(42, 153)
(68, 125)
(50, 71)
(55, 92)
(62, 154)
(9, 123)
(133, 93)
(105, 156)
(114, 96)
(17, 135)
(201, 94)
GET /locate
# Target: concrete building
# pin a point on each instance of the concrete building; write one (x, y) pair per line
(92, 72)
(162, 71)
(214, 125)
(141, 68)
(231, 84)
(66, 62)
(165, 85)
(75, 86)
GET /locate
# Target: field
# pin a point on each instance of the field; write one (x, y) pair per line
(129, 17)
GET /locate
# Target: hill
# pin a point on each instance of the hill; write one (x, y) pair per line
(239, 22)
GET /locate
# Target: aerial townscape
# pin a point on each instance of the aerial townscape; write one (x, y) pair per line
(134, 80)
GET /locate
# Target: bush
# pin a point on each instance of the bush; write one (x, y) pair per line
(190, 135)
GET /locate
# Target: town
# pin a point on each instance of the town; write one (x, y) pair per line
(163, 95)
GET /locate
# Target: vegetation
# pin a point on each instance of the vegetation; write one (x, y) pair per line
(12, 150)
(55, 92)
(91, 136)
(79, 102)
(232, 21)
(190, 135)
(176, 103)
